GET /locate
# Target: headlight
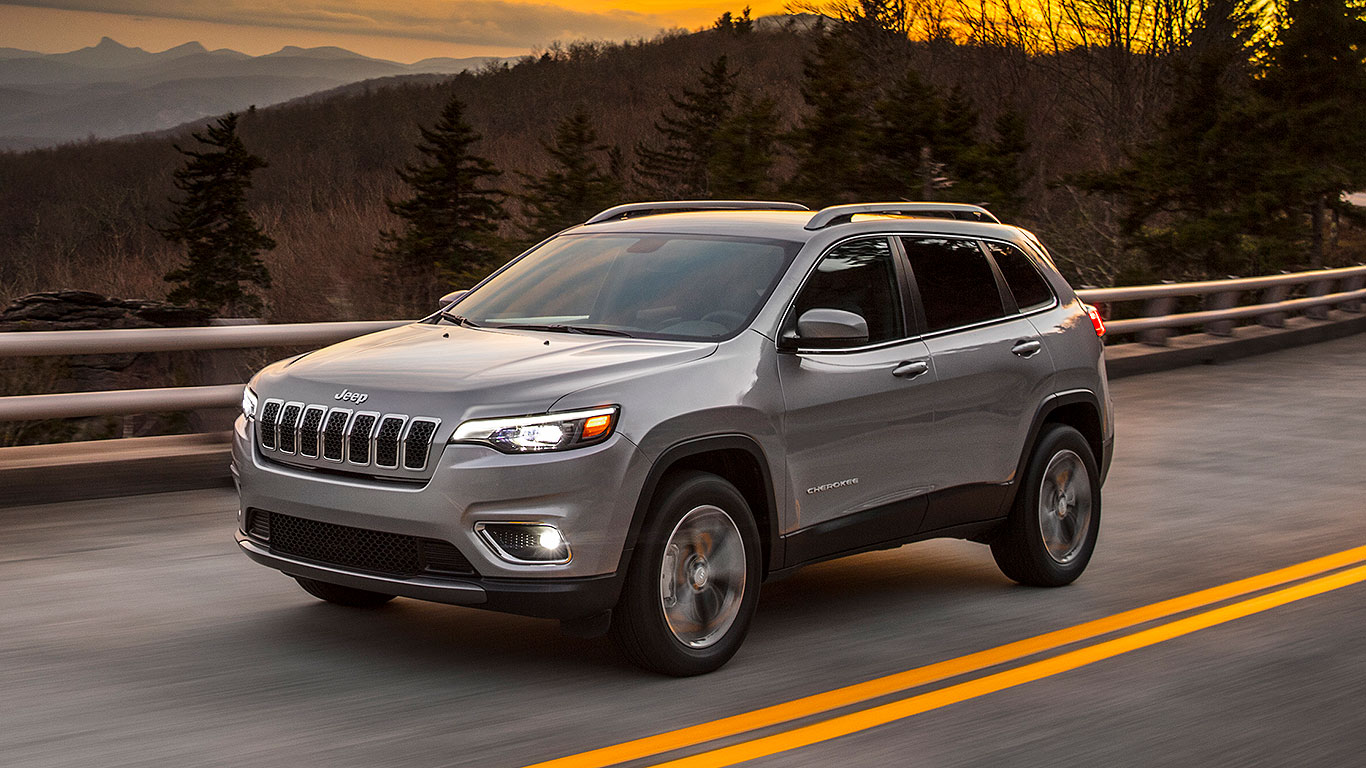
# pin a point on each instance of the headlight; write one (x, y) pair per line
(551, 432)
(248, 402)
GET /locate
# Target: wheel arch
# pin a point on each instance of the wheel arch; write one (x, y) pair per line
(1080, 409)
(738, 459)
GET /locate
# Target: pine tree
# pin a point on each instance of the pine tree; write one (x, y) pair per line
(1313, 88)
(1193, 198)
(746, 149)
(1005, 179)
(901, 152)
(956, 145)
(831, 144)
(575, 187)
(451, 221)
(735, 25)
(223, 242)
(681, 169)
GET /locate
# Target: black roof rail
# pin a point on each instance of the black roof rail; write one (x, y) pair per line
(842, 214)
(680, 206)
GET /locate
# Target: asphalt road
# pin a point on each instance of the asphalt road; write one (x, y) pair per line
(133, 634)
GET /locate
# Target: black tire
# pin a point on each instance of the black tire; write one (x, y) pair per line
(348, 596)
(1022, 549)
(641, 623)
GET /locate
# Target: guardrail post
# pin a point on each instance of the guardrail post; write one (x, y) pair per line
(1353, 283)
(1273, 295)
(1221, 300)
(1318, 288)
(1162, 305)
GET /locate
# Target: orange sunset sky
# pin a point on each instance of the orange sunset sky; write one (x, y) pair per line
(405, 31)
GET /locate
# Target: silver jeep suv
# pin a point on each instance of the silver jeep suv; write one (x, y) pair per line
(633, 424)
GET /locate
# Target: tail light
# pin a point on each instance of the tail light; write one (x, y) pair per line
(1096, 322)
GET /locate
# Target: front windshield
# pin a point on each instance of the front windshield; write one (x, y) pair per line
(643, 285)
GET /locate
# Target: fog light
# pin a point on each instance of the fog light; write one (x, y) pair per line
(539, 543)
(551, 539)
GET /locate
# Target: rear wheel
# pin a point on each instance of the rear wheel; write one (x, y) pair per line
(693, 583)
(1051, 532)
(348, 596)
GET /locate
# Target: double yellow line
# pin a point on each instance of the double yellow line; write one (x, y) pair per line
(871, 717)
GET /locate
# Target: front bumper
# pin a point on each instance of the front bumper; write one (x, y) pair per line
(546, 598)
(590, 494)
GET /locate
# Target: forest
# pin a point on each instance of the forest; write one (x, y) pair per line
(1141, 140)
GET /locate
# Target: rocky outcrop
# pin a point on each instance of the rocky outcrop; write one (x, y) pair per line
(84, 310)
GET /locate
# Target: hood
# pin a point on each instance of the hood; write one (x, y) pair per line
(455, 373)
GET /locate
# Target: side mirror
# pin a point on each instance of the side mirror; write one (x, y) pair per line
(451, 297)
(825, 327)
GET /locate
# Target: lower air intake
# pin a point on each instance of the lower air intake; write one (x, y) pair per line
(390, 554)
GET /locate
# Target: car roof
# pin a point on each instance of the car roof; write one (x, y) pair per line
(788, 225)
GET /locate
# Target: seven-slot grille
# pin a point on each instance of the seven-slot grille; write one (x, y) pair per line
(340, 435)
(392, 554)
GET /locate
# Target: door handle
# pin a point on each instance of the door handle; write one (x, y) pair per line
(1026, 348)
(910, 369)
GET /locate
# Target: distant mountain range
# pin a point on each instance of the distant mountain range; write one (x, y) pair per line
(110, 89)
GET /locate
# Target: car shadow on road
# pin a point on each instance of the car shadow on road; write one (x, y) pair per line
(824, 598)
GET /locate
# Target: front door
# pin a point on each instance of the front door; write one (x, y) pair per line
(854, 415)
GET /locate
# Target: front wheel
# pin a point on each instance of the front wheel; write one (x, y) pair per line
(693, 583)
(1051, 532)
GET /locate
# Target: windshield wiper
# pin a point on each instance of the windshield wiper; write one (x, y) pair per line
(451, 317)
(561, 328)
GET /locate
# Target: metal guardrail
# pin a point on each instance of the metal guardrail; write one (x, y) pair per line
(1222, 300)
(125, 340)
(1154, 327)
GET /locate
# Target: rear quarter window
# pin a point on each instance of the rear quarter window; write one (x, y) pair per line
(1030, 289)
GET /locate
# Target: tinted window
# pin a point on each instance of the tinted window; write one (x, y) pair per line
(652, 286)
(858, 277)
(957, 286)
(1027, 285)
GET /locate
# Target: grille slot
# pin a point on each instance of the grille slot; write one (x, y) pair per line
(334, 434)
(386, 441)
(381, 552)
(359, 448)
(288, 431)
(418, 443)
(308, 430)
(270, 414)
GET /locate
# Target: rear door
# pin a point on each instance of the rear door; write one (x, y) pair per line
(992, 371)
(855, 416)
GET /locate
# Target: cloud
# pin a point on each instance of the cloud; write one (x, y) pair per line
(484, 22)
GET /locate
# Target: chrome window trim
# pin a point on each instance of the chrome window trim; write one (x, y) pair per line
(374, 440)
(431, 442)
(369, 439)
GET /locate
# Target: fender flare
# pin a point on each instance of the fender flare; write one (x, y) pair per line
(693, 447)
(1046, 408)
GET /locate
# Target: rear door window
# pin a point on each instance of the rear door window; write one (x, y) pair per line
(1031, 291)
(956, 283)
